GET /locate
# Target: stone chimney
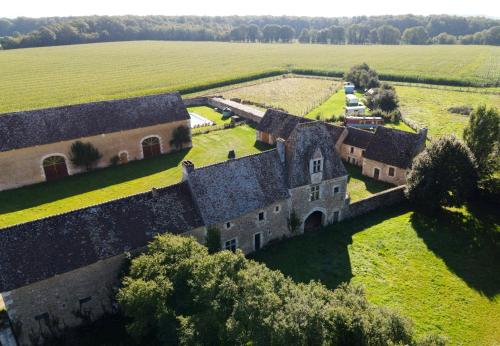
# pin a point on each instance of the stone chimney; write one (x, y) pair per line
(231, 154)
(280, 145)
(187, 168)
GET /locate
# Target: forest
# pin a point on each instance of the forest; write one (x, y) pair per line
(25, 32)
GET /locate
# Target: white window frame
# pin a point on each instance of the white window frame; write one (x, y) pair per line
(228, 246)
(314, 193)
(228, 223)
(317, 166)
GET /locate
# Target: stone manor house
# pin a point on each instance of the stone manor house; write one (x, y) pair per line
(55, 270)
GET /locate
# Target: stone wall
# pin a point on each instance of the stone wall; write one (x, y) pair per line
(63, 298)
(399, 177)
(24, 166)
(196, 101)
(379, 200)
(346, 155)
(239, 109)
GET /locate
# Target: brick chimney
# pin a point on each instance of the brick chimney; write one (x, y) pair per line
(187, 168)
(280, 145)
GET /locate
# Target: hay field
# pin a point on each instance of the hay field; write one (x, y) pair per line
(49, 76)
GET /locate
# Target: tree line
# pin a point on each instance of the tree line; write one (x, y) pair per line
(405, 29)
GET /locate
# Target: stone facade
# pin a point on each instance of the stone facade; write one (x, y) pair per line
(390, 174)
(24, 166)
(379, 200)
(61, 301)
(352, 154)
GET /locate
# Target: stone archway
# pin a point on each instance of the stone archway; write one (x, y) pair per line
(314, 221)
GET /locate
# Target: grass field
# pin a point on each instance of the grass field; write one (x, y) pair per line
(41, 200)
(429, 107)
(295, 95)
(48, 76)
(440, 272)
(360, 186)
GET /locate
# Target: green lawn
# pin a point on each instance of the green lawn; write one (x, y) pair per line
(360, 186)
(49, 76)
(442, 272)
(41, 200)
(210, 114)
(429, 107)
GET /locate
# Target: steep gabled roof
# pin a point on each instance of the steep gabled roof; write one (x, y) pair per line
(394, 147)
(280, 124)
(302, 144)
(335, 131)
(40, 249)
(235, 187)
(50, 125)
(358, 138)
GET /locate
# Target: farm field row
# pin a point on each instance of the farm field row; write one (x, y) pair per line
(49, 76)
(436, 271)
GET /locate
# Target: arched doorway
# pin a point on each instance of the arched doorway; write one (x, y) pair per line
(151, 147)
(55, 167)
(313, 221)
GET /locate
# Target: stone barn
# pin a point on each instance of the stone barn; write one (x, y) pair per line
(277, 124)
(34, 145)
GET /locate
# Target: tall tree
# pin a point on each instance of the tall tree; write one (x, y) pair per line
(337, 34)
(415, 35)
(482, 136)
(388, 34)
(286, 33)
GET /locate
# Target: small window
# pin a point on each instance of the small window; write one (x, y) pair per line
(277, 209)
(352, 150)
(228, 225)
(336, 190)
(392, 171)
(230, 245)
(261, 216)
(316, 166)
(363, 152)
(314, 193)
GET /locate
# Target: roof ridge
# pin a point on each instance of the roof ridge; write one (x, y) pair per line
(90, 206)
(236, 159)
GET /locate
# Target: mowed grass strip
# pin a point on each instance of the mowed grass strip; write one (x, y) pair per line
(45, 199)
(293, 94)
(49, 76)
(442, 272)
(429, 108)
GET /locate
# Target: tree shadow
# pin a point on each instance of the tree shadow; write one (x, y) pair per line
(371, 185)
(38, 194)
(262, 146)
(320, 255)
(469, 243)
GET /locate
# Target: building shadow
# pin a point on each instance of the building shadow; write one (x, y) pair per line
(371, 185)
(38, 194)
(468, 243)
(321, 255)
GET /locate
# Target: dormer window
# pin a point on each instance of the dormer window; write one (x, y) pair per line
(316, 166)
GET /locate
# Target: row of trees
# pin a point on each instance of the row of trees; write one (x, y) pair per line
(31, 32)
(178, 293)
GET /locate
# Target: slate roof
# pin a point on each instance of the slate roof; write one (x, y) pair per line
(300, 147)
(50, 125)
(394, 147)
(40, 249)
(335, 131)
(236, 187)
(358, 138)
(279, 124)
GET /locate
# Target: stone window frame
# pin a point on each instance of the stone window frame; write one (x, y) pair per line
(352, 150)
(277, 208)
(263, 213)
(314, 194)
(317, 166)
(68, 163)
(228, 225)
(228, 244)
(150, 136)
(127, 153)
(336, 187)
(389, 171)
(379, 172)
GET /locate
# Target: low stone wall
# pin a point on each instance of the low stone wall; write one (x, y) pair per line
(196, 102)
(239, 109)
(378, 200)
(414, 126)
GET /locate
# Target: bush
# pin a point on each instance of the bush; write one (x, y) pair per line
(464, 110)
(180, 136)
(362, 76)
(383, 98)
(445, 174)
(213, 240)
(177, 293)
(84, 155)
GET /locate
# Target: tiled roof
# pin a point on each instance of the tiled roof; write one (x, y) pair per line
(40, 249)
(50, 125)
(279, 124)
(235, 187)
(304, 141)
(358, 138)
(394, 147)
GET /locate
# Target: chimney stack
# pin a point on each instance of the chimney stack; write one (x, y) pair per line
(187, 168)
(231, 154)
(280, 145)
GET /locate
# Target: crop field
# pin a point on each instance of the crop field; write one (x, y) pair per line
(295, 95)
(442, 272)
(49, 76)
(429, 107)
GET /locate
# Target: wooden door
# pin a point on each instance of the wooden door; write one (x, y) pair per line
(55, 168)
(151, 147)
(376, 173)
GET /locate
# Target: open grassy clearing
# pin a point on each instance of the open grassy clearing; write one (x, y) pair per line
(41, 200)
(333, 106)
(48, 76)
(441, 272)
(360, 186)
(429, 107)
(295, 95)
